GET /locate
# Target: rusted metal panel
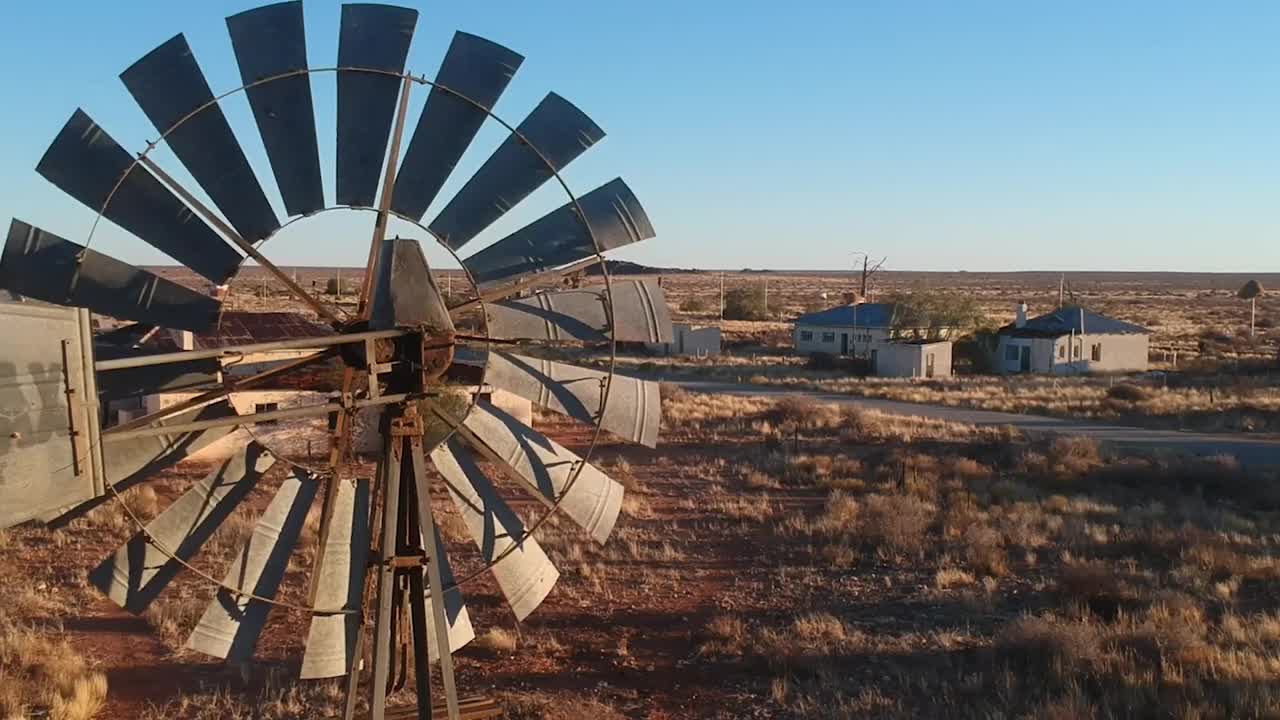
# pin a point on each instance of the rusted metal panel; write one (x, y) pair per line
(48, 413)
(86, 163)
(557, 129)
(139, 570)
(639, 315)
(271, 41)
(560, 237)
(41, 265)
(375, 37)
(525, 576)
(232, 623)
(331, 641)
(594, 499)
(168, 85)
(633, 411)
(478, 70)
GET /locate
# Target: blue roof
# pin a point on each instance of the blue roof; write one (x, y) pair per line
(1075, 320)
(875, 315)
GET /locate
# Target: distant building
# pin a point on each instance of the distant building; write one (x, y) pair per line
(686, 339)
(1071, 341)
(868, 331)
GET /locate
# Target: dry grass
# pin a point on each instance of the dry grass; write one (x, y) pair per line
(41, 676)
(497, 640)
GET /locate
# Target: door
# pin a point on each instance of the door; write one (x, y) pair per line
(874, 358)
(844, 343)
(1024, 359)
(928, 365)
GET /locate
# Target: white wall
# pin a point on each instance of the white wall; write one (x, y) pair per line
(911, 359)
(827, 339)
(1071, 355)
(688, 339)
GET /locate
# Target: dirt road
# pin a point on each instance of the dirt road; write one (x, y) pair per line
(1249, 450)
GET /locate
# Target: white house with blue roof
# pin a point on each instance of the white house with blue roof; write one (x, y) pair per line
(869, 331)
(1071, 341)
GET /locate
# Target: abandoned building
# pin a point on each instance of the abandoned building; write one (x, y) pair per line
(1071, 341)
(869, 332)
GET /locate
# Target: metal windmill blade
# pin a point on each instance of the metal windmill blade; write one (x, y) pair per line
(399, 351)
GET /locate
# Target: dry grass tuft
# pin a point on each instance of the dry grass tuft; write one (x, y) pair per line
(42, 677)
(897, 522)
(497, 640)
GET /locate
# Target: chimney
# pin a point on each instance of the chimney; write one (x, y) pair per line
(1021, 319)
(185, 339)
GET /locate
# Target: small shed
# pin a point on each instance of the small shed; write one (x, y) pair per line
(686, 339)
(1071, 341)
(915, 359)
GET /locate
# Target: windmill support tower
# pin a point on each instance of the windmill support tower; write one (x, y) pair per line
(400, 353)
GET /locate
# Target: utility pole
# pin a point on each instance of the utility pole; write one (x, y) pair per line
(722, 296)
(766, 297)
(1062, 283)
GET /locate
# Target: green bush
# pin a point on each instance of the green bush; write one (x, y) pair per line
(746, 304)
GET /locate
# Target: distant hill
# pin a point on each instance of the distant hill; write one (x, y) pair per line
(623, 267)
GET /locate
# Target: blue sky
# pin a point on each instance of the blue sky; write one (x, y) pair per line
(945, 135)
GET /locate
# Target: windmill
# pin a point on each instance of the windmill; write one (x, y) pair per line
(381, 553)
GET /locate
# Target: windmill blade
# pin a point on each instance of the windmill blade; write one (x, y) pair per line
(633, 411)
(232, 623)
(331, 642)
(455, 607)
(525, 576)
(558, 131)
(375, 37)
(270, 41)
(127, 462)
(475, 69)
(639, 315)
(594, 500)
(168, 85)
(561, 237)
(46, 267)
(139, 570)
(86, 163)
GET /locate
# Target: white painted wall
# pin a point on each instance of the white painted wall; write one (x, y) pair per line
(912, 359)
(689, 339)
(810, 339)
(1073, 355)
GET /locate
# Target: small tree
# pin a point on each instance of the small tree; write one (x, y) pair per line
(924, 315)
(745, 304)
(1251, 291)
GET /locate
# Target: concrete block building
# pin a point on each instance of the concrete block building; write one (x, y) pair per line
(1071, 341)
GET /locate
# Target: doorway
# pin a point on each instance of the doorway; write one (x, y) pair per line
(1024, 359)
(928, 365)
(844, 343)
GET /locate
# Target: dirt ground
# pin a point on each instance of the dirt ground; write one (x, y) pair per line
(781, 561)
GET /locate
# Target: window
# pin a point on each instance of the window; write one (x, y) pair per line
(806, 335)
(828, 337)
(1096, 352)
(1062, 352)
(1011, 353)
(1076, 352)
(264, 408)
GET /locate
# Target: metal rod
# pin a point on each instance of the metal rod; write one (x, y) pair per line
(235, 350)
(510, 289)
(212, 395)
(253, 418)
(434, 576)
(241, 243)
(384, 203)
(391, 471)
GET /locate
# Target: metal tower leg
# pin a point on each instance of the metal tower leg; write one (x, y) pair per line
(406, 513)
